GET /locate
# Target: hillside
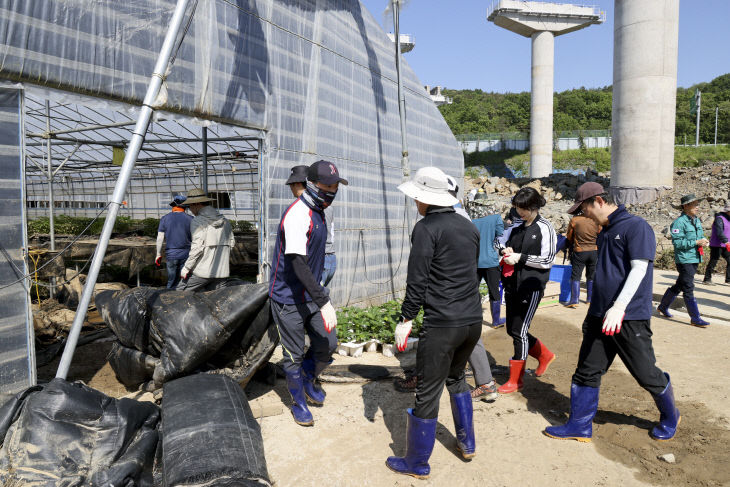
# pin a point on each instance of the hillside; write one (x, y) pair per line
(476, 111)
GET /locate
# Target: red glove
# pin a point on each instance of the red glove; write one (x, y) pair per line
(727, 246)
(701, 250)
(507, 269)
(158, 261)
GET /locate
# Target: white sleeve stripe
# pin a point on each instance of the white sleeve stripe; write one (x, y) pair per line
(547, 244)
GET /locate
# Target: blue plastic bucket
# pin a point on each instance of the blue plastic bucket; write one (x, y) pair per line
(561, 274)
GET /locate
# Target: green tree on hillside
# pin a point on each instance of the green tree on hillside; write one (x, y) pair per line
(476, 111)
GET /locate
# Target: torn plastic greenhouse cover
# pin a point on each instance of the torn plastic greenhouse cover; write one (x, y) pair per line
(165, 334)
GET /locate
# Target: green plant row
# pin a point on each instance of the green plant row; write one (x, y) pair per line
(377, 322)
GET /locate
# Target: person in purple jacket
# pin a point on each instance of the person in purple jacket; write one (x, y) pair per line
(719, 244)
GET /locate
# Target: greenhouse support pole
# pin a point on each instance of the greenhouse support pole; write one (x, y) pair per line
(204, 172)
(51, 222)
(401, 100)
(135, 144)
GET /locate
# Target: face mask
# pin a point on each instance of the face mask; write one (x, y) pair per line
(320, 197)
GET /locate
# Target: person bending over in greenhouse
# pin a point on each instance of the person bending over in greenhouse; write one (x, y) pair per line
(442, 278)
(299, 303)
(529, 252)
(210, 251)
(175, 228)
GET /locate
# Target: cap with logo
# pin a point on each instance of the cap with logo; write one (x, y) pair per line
(325, 172)
(585, 191)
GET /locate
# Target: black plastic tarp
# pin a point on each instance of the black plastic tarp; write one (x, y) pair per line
(209, 435)
(66, 434)
(179, 332)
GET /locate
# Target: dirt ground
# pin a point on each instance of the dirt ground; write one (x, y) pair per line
(363, 423)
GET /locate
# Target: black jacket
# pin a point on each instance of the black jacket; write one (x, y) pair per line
(442, 271)
(536, 243)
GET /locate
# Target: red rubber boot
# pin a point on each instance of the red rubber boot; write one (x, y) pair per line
(544, 357)
(516, 372)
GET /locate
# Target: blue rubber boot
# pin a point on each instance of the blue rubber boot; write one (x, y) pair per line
(496, 320)
(574, 294)
(666, 302)
(299, 409)
(583, 407)
(589, 291)
(669, 416)
(463, 412)
(420, 438)
(312, 389)
(694, 313)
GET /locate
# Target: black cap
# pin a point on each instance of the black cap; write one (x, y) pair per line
(325, 172)
(298, 175)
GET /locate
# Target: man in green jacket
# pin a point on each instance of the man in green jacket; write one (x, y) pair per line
(689, 242)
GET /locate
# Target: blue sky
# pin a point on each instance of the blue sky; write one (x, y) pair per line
(458, 48)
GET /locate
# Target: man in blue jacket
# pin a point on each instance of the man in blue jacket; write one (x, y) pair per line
(175, 229)
(619, 318)
(689, 241)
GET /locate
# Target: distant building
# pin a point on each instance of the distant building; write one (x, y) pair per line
(407, 42)
(438, 97)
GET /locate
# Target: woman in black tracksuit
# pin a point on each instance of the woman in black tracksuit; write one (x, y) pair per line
(530, 248)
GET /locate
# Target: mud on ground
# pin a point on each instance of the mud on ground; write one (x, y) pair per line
(361, 424)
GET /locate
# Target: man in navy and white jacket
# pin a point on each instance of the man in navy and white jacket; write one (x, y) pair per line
(299, 304)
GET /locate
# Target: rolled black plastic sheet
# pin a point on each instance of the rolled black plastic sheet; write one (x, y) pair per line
(210, 437)
(131, 366)
(67, 434)
(228, 329)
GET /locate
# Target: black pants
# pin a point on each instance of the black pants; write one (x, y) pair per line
(293, 321)
(441, 357)
(581, 260)
(715, 254)
(685, 281)
(521, 306)
(491, 276)
(633, 345)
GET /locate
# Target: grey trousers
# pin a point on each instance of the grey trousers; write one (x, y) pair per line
(195, 283)
(293, 321)
(479, 363)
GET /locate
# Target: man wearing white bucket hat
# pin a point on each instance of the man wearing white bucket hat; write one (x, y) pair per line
(442, 279)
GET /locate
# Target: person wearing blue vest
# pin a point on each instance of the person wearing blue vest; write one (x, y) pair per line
(689, 241)
(619, 318)
(299, 303)
(174, 228)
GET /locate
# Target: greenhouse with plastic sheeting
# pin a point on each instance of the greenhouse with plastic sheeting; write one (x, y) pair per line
(253, 88)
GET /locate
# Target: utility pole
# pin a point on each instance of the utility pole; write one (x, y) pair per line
(717, 109)
(699, 107)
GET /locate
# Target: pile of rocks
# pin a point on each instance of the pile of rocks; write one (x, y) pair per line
(711, 181)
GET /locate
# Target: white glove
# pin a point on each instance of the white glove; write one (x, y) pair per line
(614, 318)
(402, 330)
(185, 273)
(329, 316)
(512, 259)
